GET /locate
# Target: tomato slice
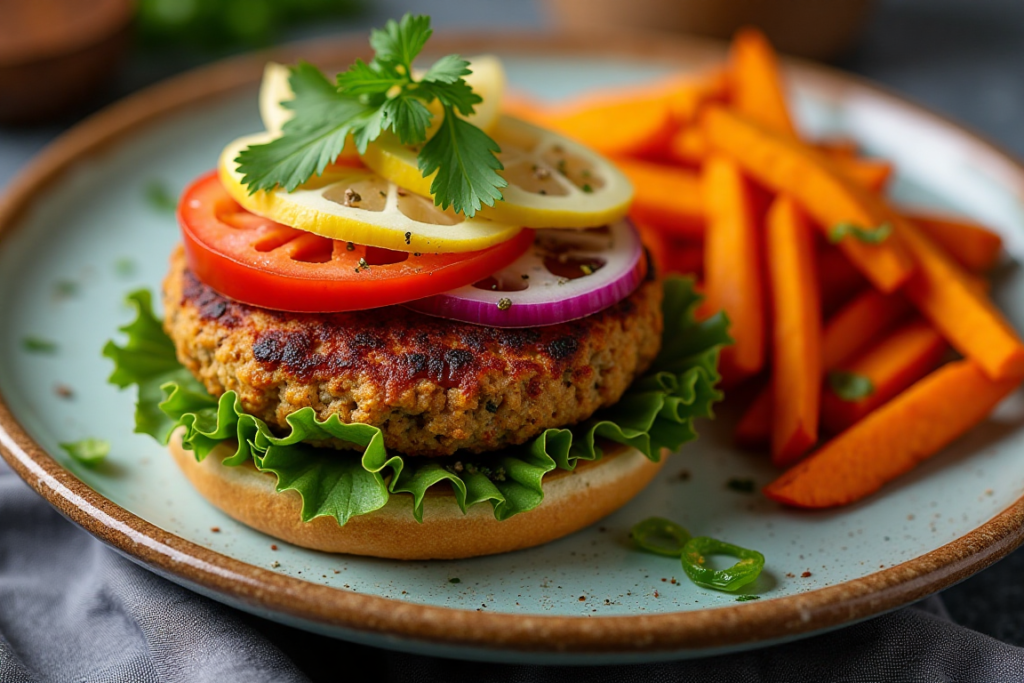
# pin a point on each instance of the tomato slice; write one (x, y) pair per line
(257, 261)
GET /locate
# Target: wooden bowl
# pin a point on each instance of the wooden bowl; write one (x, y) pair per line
(806, 28)
(55, 54)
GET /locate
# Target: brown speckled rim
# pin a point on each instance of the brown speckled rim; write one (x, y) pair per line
(744, 624)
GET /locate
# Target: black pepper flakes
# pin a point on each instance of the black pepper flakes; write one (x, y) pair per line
(408, 237)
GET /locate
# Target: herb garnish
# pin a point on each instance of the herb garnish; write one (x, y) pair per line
(850, 386)
(39, 345)
(865, 235)
(88, 451)
(160, 198)
(383, 95)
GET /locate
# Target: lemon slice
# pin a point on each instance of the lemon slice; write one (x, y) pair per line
(274, 89)
(354, 204)
(553, 182)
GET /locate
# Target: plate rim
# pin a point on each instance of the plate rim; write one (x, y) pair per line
(748, 623)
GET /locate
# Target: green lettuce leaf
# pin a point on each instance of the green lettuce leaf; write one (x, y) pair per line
(656, 412)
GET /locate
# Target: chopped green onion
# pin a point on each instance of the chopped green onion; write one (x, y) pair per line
(660, 536)
(694, 559)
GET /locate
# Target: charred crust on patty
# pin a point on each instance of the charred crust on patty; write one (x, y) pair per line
(426, 382)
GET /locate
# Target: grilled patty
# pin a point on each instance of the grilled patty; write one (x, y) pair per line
(432, 386)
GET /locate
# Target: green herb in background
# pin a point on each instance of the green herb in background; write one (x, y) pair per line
(741, 485)
(747, 598)
(373, 98)
(39, 345)
(65, 289)
(865, 235)
(850, 386)
(220, 25)
(88, 451)
(160, 198)
(124, 267)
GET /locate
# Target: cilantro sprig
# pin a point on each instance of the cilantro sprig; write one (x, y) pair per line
(377, 96)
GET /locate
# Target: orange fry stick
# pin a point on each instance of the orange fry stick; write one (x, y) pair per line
(873, 174)
(796, 368)
(615, 124)
(757, 85)
(754, 430)
(847, 333)
(951, 299)
(838, 280)
(672, 255)
(893, 439)
(687, 146)
(974, 247)
(906, 356)
(689, 95)
(821, 188)
(732, 266)
(666, 197)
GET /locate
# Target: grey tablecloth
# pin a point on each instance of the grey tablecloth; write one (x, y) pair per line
(72, 610)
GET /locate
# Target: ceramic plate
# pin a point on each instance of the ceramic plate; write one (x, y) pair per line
(78, 233)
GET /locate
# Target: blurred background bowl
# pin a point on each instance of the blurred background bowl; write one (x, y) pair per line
(56, 54)
(818, 29)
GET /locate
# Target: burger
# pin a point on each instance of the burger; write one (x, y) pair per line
(414, 340)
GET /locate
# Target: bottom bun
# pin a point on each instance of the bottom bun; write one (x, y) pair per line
(572, 500)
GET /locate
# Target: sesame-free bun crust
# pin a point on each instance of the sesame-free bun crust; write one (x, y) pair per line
(572, 500)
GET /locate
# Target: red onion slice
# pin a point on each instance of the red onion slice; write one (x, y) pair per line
(565, 275)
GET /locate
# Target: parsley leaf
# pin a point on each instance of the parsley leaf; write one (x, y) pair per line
(88, 451)
(868, 236)
(313, 138)
(408, 117)
(850, 386)
(448, 69)
(368, 79)
(467, 170)
(400, 42)
(377, 96)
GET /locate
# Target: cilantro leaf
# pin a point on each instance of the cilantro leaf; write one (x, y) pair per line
(466, 165)
(313, 138)
(400, 42)
(866, 235)
(850, 386)
(448, 69)
(88, 451)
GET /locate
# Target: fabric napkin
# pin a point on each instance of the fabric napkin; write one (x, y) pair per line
(74, 611)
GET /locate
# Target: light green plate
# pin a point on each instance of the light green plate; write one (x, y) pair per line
(586, 595)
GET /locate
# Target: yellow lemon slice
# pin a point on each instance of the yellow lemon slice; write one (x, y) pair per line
(553, 182)
(354, 204)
